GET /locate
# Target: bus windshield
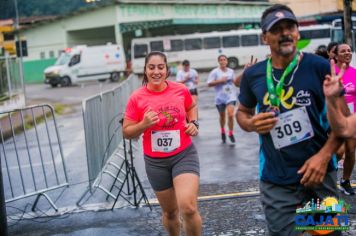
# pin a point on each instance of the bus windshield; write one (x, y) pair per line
(63, 59)
(337, 34)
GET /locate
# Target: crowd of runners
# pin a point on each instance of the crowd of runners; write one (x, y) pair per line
(300, 104)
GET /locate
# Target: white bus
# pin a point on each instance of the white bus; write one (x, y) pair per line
(337, 34)
(202, 49)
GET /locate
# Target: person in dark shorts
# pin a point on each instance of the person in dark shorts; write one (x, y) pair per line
(190, 78)
(297, 161)
(222, 79)
(164, 112)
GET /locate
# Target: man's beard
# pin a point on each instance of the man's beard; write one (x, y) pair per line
(286, 51)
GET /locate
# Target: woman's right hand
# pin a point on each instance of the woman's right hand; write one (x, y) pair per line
(150, 118)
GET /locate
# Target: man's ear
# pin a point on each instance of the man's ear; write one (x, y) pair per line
(264, 38)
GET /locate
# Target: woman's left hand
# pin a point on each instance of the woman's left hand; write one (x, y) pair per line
(191, 129)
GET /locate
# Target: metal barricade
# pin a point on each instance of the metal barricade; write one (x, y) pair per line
(10, 80)
(103, 133)
(31, 153)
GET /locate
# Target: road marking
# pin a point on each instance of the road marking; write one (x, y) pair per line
(154, 201)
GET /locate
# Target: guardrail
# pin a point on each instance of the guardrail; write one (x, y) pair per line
(103, 132)
(31, 153)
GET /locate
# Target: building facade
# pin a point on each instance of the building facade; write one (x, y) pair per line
(124, 20)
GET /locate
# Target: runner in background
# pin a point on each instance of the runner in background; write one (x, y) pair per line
(331, 50)
(343, 55)
(164, 112)
(322, 51)
(222, 79)
(190, 78)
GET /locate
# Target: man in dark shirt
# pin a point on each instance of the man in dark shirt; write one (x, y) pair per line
(296, 154)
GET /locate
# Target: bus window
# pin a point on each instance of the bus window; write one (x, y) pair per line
(314, 34)
(213, 42)
(140, 50)
(305, 34)
(231, 41)
(193, 44)
(323, 33)
(156, 46)
(176, 45)
(249, 40)
(337, 36)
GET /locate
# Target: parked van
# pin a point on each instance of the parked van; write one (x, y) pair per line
(83, 63)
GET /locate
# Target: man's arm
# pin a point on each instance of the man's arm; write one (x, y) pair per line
(237, 80)
(261, 123)
(341, 124)
(315, 168)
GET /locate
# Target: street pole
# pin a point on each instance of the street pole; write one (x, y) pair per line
(348, 23)
(3, 217)
(17, 27)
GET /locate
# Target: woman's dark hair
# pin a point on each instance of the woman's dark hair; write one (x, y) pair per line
(185, 63)
(337, 48)
(321, 51)
(154, 53)
(330, 46)
(222, 55)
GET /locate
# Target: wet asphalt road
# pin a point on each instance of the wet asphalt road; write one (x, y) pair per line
(226, 171)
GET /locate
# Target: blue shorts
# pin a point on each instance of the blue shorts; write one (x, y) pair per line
(222, 107)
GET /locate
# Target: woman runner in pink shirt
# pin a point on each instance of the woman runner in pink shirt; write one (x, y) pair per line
(343, 54)
(164, 112)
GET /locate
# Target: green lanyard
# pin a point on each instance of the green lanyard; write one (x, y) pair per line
(276, 92)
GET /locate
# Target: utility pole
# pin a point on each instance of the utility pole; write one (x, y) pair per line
(17, 27)
(348, 23)
(3, 217)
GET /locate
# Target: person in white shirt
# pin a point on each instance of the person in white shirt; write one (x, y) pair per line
(222, 79)
(190, 78)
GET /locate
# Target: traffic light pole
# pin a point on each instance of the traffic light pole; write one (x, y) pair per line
(17, 25)
(3, 217)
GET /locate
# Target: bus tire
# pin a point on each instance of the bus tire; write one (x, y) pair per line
(54, 85)
(115, 76)
(65, 81)
(232, 62)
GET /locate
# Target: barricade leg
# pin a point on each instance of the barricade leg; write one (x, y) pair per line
(3, 217)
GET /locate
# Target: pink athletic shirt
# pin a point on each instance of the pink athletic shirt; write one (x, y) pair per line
(168, 136)
(349, 81)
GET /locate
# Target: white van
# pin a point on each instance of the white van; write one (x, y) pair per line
(83, 63)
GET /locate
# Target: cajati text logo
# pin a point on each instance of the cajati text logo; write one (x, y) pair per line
(323, 217)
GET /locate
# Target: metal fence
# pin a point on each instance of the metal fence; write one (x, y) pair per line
(31, 153)
(103, 132)
(10, 79)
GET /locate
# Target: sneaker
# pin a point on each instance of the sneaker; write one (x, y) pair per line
(223, 137)
(346, 187)
(232, 138)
